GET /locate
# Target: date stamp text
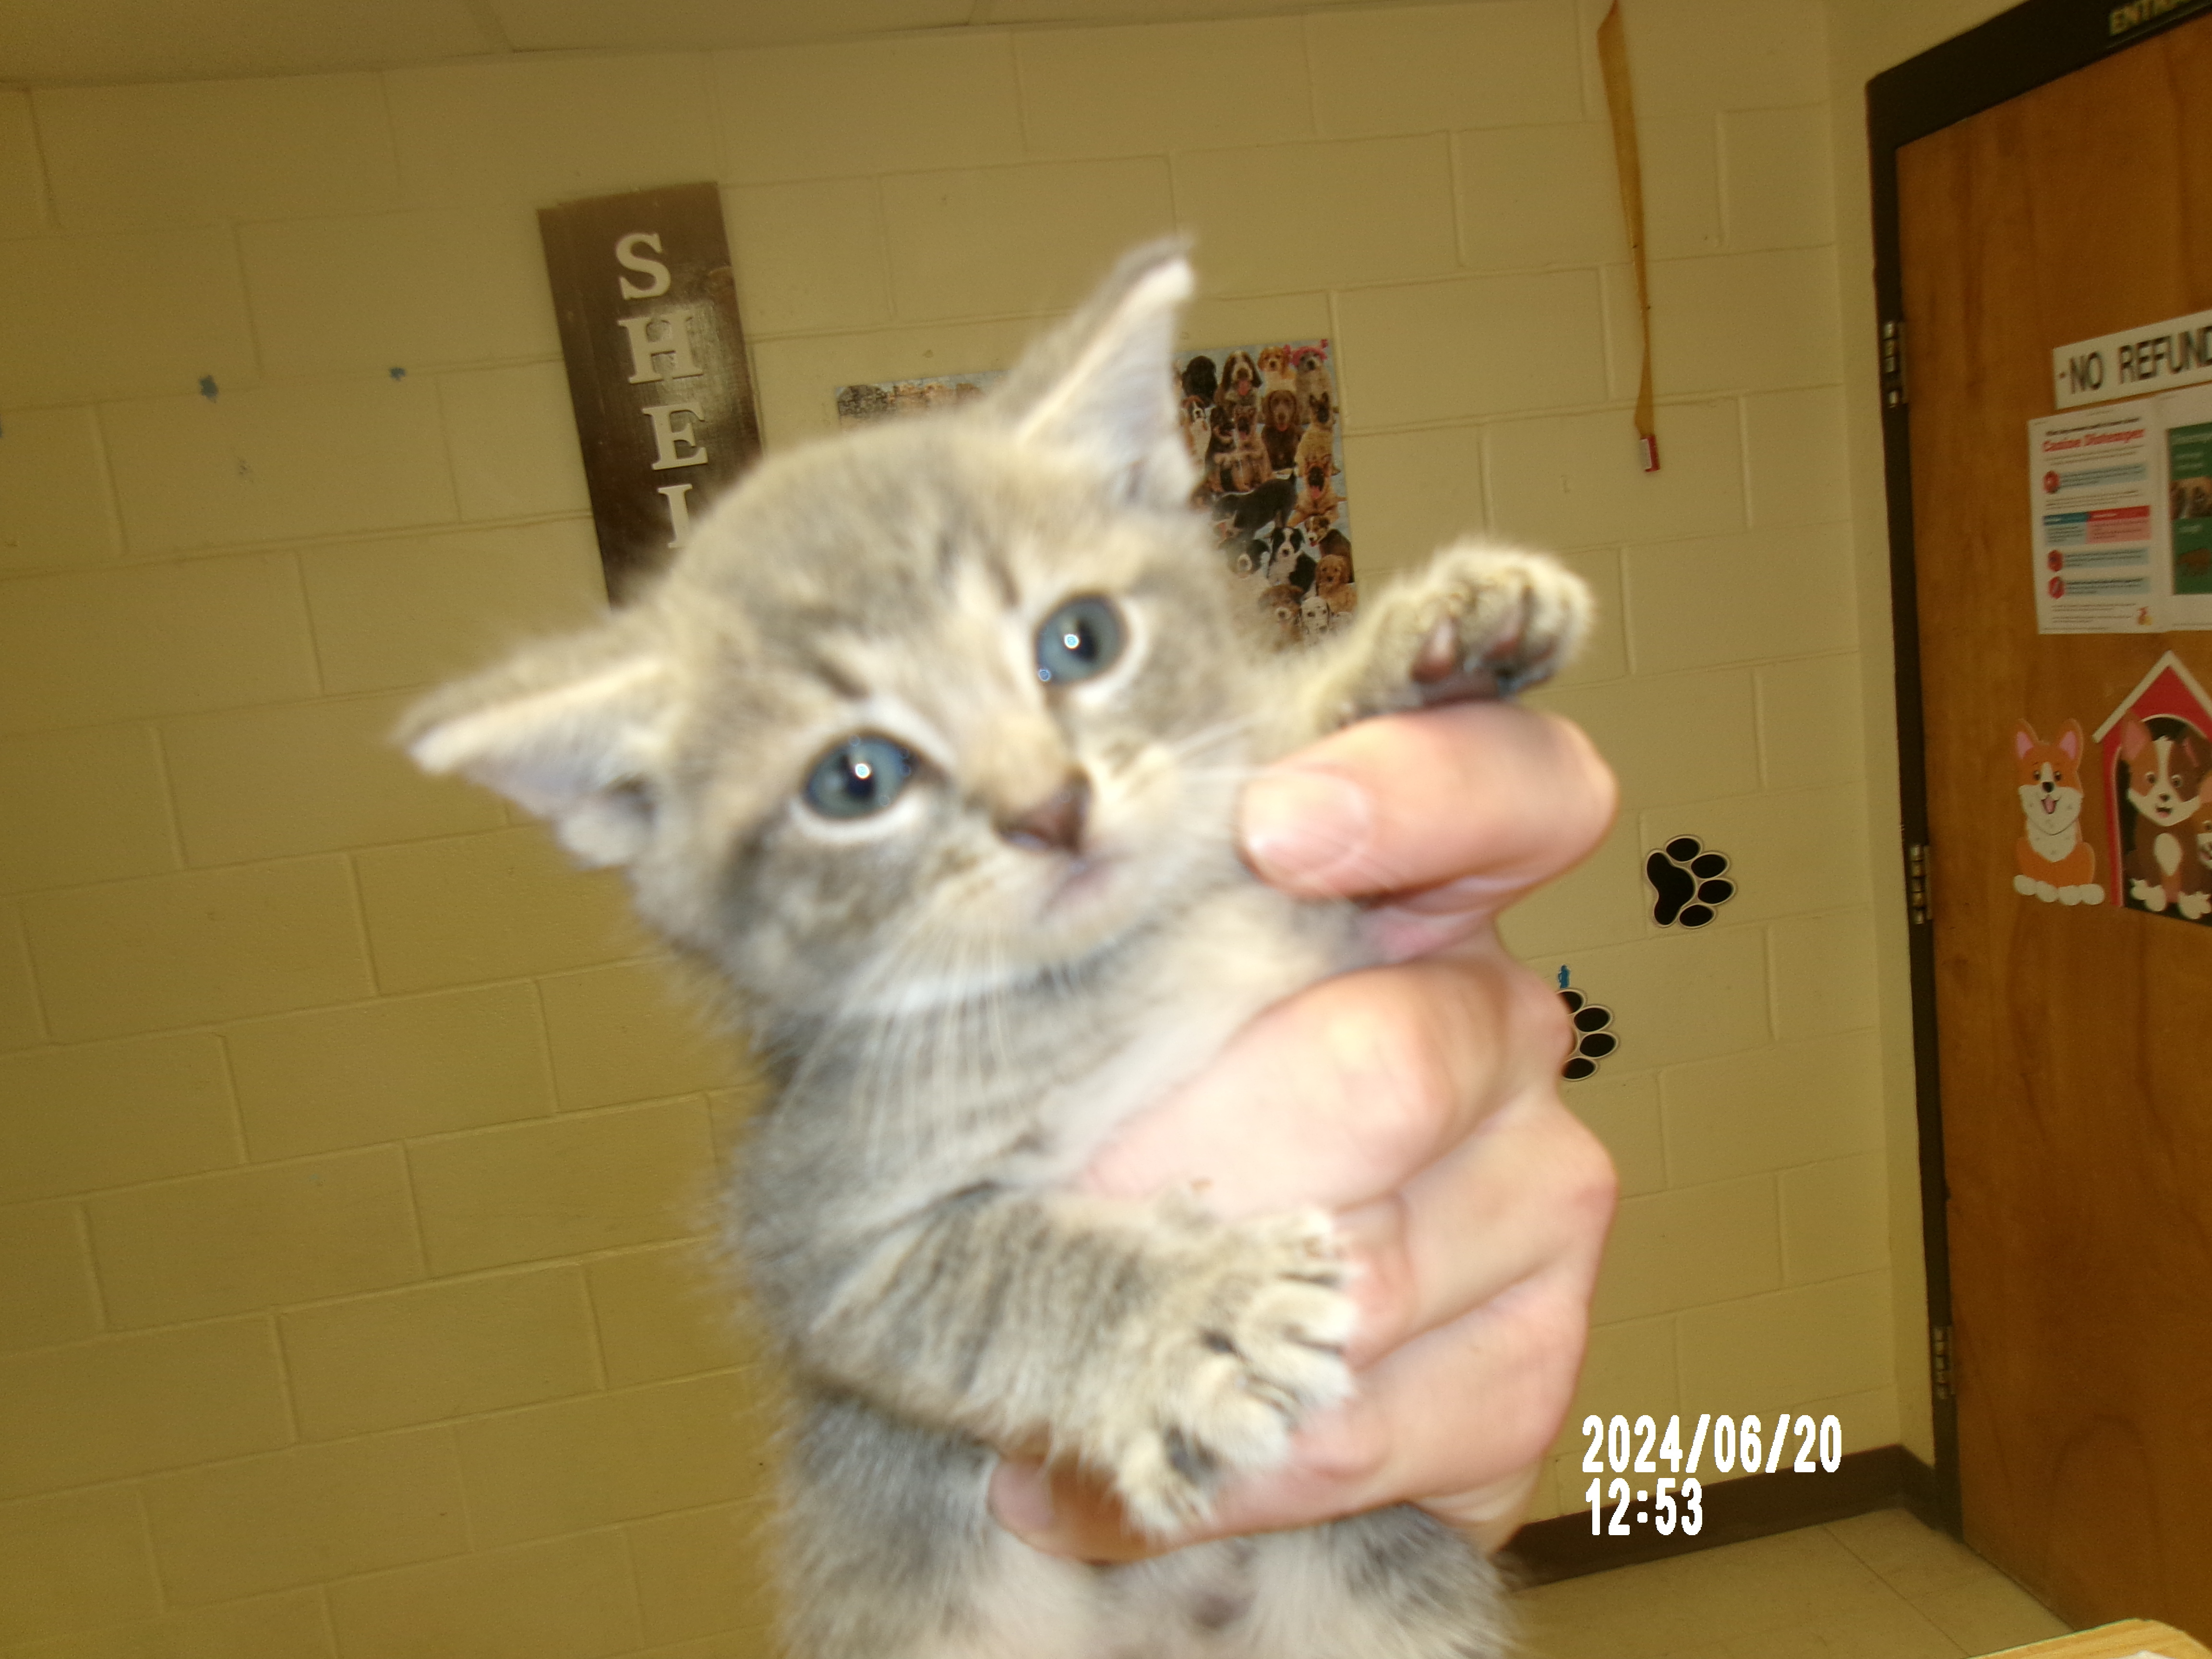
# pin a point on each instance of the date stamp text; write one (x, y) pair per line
(1677, 1499)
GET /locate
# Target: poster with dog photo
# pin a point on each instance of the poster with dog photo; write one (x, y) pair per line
(1265, 426)
(2186, 417)
(2157, 746)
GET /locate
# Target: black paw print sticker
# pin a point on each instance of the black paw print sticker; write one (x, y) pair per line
(1689, 881)
(1593, 1042)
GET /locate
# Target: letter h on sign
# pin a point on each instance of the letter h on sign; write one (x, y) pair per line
(647, 307)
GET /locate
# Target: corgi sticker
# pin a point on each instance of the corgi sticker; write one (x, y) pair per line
(2158, 771)
(2056, 864)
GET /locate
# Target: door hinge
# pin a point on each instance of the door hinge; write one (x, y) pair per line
(1916, 884)
(1893, 364)
(1939, 1360)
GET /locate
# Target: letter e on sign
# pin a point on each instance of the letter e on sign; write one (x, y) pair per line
(647, 306)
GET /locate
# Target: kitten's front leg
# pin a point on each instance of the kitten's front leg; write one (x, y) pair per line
(1477, 622)
(1164, 1347)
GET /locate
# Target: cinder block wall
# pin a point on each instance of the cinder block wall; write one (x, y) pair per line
(353, 1151)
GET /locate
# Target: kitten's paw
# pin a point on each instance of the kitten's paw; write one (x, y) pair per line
(1254, 1346)
(1491, 621)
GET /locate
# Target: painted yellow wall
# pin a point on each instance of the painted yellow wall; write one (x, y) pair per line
(353, 1151)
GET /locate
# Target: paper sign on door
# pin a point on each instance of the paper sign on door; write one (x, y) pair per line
(2120, 506)
(2093, 482)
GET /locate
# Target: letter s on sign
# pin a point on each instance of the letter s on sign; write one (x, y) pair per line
(627, 255)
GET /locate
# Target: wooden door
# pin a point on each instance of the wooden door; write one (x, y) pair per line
(2076, 1040)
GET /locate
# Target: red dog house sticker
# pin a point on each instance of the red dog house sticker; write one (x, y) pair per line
(2157, 749)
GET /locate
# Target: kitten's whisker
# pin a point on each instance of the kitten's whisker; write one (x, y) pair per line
(1241, 774)
(1221, 731)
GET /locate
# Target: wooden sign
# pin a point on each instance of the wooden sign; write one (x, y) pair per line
(647, 307)
(2131, 18)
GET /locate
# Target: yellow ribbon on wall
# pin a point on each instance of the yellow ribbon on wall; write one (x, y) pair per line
(1620, 105)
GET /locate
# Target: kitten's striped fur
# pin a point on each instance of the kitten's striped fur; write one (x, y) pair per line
(955, 1019)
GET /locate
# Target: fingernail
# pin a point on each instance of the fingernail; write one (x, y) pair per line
(1021, 1498)
(1299, 823)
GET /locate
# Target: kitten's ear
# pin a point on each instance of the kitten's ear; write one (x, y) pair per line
(1104, 384)
(574, 730)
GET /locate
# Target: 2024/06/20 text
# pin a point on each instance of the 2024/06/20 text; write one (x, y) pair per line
(1732, 1442)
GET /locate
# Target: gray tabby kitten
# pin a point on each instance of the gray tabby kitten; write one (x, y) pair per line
(929, 743)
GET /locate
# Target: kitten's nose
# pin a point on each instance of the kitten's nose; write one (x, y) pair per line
(1055, 824)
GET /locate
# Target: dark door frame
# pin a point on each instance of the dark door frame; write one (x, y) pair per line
(2014, 53)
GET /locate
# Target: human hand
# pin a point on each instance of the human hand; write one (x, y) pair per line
(1419, 1101)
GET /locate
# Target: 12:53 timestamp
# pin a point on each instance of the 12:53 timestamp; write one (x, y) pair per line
(1681, 1504)
(1664, 1513)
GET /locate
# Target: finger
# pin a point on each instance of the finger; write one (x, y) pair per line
(1484, 799)
(1475, 1292)
(1424, 1051)
(1067, 1513)
(1458, 1421)
(1530, 1190)
(1458, 1418)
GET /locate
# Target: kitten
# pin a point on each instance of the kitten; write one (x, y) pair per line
(929, 743)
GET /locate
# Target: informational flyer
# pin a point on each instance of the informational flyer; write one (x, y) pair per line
(2120, 499)
(2097, 501)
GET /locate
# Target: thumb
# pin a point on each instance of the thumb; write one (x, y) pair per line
(1062, 1512)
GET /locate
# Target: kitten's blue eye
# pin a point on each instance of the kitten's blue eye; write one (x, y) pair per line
(1080, 639)
(859, 776)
